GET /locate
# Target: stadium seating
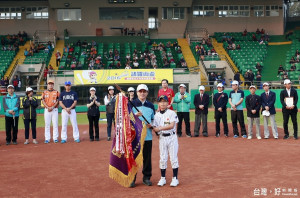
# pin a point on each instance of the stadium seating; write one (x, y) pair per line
(5, 60)
(123, 49)
(206, 47)
(293, 75)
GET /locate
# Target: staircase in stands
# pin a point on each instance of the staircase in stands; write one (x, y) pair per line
(190, 59)
(221, 51)
(19, 56)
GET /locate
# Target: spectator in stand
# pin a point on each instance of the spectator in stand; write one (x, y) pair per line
(6, 81)
(293, 60)
(66, 49)
(84, 44)
(258, 80)
(257, 31)
(2, 82)
(79, 66)
(26, 53)
(183, 62)
(27, 81)
(211, 79)
(58, 57)
(147, 63)
(135, 64)
(245, 32)
(258, 67)
(45, 74)
(251, 76)
(16, 82)
(293, 67)
(280, 69)
(254, 37)
(262, 31)
(246, 77)
(127, 66)
(238, 47)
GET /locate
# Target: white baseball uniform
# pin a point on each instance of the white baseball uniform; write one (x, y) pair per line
(50, 97)
(68, 98)
(168, 141)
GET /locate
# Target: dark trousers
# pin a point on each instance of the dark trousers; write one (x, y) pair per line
(33, 128)
(147, 163)
(110, 118)
(57, 62)
(218, 116)
(186, 117)
(11, 124)
(94, 122)
(198, 118)
(286, 116)
(236, 116)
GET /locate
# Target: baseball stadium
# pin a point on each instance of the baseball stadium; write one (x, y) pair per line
(136, 98)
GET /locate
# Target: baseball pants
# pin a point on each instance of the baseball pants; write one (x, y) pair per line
(168, 144)
(256, 121)
(64, 119)
(48, 117)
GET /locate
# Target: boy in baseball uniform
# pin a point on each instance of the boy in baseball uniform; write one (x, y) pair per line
(164, 124)
(68, 100)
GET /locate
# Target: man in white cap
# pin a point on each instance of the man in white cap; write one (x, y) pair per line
(220, 101)
(146, 109)
(236, 98)
(253, 103)
(109, 101)
(201, 102)
(268, 99)
(183, 100)
(289, 100)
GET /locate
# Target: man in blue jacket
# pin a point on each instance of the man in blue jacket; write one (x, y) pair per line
(220, 101)
(11, 105)
(268, 99)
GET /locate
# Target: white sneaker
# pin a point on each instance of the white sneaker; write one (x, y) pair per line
(35, 142)
(258, 137)
(249, 137)
(162, 181)
(174, 182)
(26, 142)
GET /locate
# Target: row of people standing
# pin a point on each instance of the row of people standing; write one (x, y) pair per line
(255, 105)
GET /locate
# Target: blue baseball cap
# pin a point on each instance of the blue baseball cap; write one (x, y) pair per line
(67, 83)
(162, 97)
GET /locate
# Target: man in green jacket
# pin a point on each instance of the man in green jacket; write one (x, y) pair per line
(183, 100)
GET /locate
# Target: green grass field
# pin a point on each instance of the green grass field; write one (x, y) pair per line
(82, 119)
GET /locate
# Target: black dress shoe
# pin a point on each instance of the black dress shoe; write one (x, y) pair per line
(147, 182)
(91, 140)
(286, 137)
(179, 134)
(7, 143)
(97, 139)
(205, 135)
(15, 143)
(218, 135)
(196, 135)
(296, 137)
(132, 185)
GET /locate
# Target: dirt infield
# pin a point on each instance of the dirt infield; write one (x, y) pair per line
(209, 167)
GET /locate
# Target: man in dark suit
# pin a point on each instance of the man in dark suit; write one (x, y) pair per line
(268, 99)
(289, 109)
(220, 101)
(201, 102)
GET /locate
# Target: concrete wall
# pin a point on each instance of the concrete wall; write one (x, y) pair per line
(167, 28)
(272, 25)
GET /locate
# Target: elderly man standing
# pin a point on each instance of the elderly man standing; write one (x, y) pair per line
(236, 98)
(11, 105)
(289, 100)
(268, 99)
(183, 100)
(253, 103)
(201, 102)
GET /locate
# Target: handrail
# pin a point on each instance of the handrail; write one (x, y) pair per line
(12, 71)
(40, 75)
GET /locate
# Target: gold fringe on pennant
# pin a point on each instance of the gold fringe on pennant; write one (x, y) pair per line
(126, 180)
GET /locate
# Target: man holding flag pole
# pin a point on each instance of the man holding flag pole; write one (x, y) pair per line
(127, 146)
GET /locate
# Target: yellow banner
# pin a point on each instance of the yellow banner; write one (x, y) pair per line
(122, 76)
